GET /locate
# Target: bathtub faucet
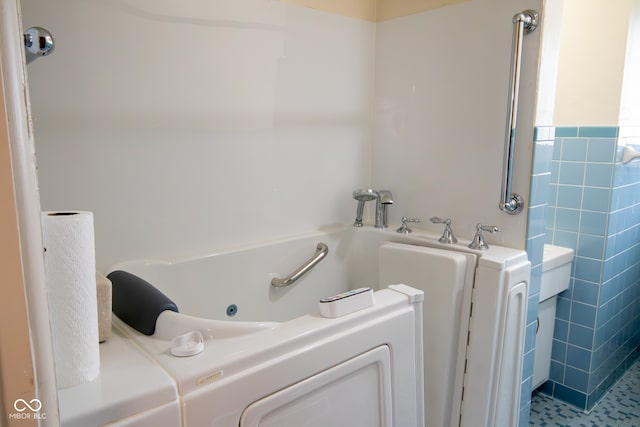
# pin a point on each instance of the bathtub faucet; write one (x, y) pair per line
(383, 198)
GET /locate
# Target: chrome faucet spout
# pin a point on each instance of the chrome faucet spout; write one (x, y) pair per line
(386, 199)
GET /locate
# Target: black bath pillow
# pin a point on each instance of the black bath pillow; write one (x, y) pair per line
(137, 302)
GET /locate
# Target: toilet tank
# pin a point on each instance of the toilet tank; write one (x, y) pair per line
(556, 271)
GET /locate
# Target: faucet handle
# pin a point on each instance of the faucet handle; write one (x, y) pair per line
(490, 228)
(438, 220)
(447, 235)
(404, 228)
(478, 239)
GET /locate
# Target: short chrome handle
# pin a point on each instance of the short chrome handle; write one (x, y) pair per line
(490, 228)
(437, 220)
(447, 235)
(321, 251)
(478, 239)
(404, 228)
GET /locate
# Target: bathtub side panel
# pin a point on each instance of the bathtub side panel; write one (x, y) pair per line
(441, 275)
(496, 344)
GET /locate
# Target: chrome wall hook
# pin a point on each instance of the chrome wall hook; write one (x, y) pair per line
(37, 42)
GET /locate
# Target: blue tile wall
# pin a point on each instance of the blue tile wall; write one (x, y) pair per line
(592, 206)
(536, 238)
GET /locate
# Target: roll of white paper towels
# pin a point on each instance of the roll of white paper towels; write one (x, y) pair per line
(70, 273)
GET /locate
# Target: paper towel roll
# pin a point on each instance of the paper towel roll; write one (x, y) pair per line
(69, 262)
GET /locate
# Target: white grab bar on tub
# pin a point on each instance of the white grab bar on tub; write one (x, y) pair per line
(322, 251)
(527, 20)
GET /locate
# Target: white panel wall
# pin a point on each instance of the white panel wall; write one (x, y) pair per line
(442, 79)
(194, 125)
(204, 125)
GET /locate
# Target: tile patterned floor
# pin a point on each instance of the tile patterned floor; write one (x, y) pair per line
(619, 408)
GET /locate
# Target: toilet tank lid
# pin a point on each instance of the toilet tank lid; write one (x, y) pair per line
(555, 256)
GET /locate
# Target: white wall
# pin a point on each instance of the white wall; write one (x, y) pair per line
(592, 61)
(442, 79)
(190, 126)
(551, 31)
(598, 71)
(196, 126)
(630, 97)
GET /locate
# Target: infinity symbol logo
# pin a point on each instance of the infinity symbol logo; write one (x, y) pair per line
(21, 405)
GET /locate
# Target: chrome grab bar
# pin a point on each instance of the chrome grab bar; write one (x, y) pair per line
(322, 251)
(527, 20)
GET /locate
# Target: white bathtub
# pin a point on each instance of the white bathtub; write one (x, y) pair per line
(277, 342)
(276, 332)
(206, 286)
